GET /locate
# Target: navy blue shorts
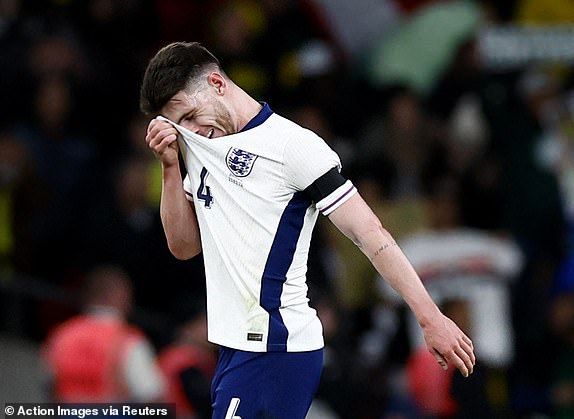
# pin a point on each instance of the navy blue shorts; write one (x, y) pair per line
(265, 385)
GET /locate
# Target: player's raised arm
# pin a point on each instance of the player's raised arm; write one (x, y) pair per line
(177, 213)
(443, 337)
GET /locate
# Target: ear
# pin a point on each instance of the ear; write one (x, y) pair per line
(218, 82)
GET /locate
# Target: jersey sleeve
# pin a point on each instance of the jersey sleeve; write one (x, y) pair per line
(313, 167)
(187, 188)
(306, 158)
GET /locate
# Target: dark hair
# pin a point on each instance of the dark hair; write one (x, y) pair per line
(170, 70)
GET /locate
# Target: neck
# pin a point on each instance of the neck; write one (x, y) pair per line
(245, 106)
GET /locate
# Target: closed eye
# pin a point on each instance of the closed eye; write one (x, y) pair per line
(187, 117)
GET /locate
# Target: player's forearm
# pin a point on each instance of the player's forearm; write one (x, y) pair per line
(178, 217)
(392, 264)
(358, 222)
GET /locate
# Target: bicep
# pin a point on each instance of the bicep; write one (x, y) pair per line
(355, 219)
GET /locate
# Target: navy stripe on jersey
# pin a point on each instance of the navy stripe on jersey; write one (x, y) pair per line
(260, 118)
(278, 263)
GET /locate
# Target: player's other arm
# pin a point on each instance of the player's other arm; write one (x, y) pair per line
(177, 213)
(443, 337)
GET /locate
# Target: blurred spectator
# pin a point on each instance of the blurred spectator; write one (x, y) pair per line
(56, 56)
(97, 356)
(63, 158)
(462, 135)
(189, 364)
(116, 52)
(256, 43)
(234, 30)
(306, 64)
(394, 135)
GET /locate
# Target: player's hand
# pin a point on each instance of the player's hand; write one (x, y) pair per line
(449, 344)
(161, 138)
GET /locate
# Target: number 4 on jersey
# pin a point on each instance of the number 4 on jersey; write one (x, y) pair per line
(233, 406)
(203, 192)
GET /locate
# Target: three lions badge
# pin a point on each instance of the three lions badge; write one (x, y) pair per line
(240, 162)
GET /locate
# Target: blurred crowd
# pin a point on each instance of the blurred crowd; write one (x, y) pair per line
(470, 166)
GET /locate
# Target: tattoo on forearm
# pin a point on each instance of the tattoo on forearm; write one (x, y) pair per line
(384, 247)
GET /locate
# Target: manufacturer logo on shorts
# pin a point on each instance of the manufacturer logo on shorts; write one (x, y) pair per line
(240, 162)
(256, 337)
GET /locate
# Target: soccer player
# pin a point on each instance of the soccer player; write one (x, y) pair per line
(255, 184)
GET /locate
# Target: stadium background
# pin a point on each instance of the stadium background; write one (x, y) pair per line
(471, 101)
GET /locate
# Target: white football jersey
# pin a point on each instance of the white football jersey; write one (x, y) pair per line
(256, 226)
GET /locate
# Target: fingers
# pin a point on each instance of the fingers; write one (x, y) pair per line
(158, 127)
(461, 356)
(440, 359)
(162, 140)
(158, 124)
(468, 347)
(160, 135)
(463, 362)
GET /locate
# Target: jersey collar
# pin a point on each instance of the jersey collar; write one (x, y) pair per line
(260, 118)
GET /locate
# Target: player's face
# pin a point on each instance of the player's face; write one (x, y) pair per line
(202, 111)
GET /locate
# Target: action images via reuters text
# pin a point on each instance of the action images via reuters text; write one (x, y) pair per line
(82, 411)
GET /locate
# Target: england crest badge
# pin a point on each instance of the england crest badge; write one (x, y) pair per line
(240, 162)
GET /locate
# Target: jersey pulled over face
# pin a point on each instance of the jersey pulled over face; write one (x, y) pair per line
(201, 112)
(256, 223)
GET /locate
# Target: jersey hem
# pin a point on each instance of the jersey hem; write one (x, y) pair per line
(262, 346)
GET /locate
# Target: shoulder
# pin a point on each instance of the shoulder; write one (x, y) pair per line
(279, 134)
(286, 127)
